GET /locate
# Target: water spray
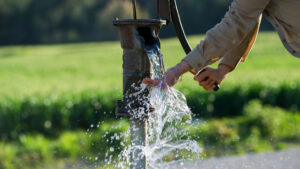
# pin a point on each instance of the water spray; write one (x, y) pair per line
(135, 36)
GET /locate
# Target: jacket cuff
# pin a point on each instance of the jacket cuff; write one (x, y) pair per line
(196, 60)
(230, 61)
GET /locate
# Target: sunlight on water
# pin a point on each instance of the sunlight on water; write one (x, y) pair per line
(167, 140)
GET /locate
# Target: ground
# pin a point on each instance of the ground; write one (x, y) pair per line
(286, 159)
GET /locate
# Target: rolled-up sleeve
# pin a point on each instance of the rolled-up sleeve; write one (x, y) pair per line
(232, 38)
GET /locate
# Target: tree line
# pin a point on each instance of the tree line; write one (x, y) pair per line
(60, 21)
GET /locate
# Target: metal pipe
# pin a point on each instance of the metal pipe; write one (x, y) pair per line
(136, 67)
(157, 9)
(134, 8)
(178, 27)
(138, 129)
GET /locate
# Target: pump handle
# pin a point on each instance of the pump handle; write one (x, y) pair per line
(181, 34)
(178, 27)
(217, 87)
(134, 9)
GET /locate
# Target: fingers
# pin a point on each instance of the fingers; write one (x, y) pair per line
(205, 82)
(148, 81)
(164, 84)
(208, 84)
(161, 83)
(203, 75)
(209, 77)
(151, 82)
(211, 85)
(170, 78)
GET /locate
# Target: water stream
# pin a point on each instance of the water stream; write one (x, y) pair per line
(167, 142)
(167, 139)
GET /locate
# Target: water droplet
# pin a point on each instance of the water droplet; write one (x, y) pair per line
(47, 124)
(167, 124)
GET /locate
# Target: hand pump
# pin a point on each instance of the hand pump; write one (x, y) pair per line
(136, 66)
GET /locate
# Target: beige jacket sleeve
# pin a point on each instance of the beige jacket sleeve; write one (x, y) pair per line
(232, 38)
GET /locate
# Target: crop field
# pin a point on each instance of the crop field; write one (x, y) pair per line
(51, 94)
(74, 68)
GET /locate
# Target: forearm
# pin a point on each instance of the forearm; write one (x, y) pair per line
(230, 37)
(182, 68)
(224, 69)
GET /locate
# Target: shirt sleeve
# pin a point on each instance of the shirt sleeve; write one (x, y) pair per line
(232, 38)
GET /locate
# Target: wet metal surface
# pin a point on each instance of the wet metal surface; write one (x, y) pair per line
(134, 35)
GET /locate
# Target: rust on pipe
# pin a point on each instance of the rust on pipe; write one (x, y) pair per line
(136, 65)
(164, 10)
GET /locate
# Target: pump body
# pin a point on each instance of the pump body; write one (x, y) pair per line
(136, 67)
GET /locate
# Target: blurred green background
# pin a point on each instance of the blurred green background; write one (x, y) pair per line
(59, 21)
(57, 100)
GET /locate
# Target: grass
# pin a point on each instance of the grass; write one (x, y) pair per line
(70, 81)
(74, 68)
(59, 69)
(262, 128)
(65, 81)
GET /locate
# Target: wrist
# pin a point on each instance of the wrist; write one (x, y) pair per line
(183, 67)
(224, 69)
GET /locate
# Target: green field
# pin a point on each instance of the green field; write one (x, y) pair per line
(73, 68)
(50, 94)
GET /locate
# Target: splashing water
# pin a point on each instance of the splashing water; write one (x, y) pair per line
(168, 142)
(167, 139)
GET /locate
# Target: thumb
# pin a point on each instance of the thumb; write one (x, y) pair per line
(148, 81)
(202, 75)
(151, 82)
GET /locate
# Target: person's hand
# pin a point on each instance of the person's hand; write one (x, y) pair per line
(170, 78)
(210, 76)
